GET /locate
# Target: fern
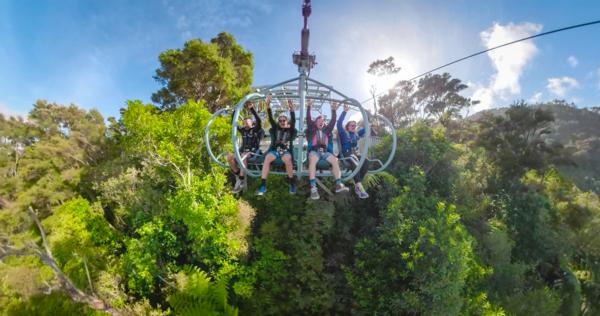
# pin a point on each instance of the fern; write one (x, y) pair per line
(198, 295)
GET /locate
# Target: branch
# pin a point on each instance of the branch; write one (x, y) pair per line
(76, 294)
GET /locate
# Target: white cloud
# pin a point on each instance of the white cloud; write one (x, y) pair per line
(536, 98)
(213, 16)
(560, 86)
(509, 62)
(573, 62)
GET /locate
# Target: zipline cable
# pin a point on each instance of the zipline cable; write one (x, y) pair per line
(493, 48)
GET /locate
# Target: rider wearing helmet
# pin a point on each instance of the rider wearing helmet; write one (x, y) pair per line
(251, 133)
(348, 137)
(283, 132)
(320, 147)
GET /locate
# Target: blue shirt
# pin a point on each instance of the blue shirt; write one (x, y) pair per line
(348, 140)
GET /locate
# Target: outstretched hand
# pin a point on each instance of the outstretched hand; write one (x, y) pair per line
(268, 101)
(334, 106)
(250, 105)
(290, 105)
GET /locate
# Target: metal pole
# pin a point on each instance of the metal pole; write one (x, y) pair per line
(300, 138)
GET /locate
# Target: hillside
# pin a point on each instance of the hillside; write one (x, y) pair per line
(578, 129)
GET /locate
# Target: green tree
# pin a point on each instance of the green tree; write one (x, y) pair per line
(380, 68)
(219, 72)
(419, 260)
(435, 98)
(398, 105)
(82, 241)
(516, 141)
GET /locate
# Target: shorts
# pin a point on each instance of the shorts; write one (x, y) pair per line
(279, 153)
(322, 155)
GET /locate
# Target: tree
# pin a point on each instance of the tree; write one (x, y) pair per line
(219, 72)
(438, 97)
(516, 141)
(380, 68)
(419, 260)
(435, 98)
(398, 105)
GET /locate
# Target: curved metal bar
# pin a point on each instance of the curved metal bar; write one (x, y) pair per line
(207, 138)
(279, 84)
(394, 145)
(234, 125)
(299, 173)
(329, 87)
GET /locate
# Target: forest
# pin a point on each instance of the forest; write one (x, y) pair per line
(491, 213)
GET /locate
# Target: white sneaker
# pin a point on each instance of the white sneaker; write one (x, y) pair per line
(239, 185)
(341, 188)
(314, 193)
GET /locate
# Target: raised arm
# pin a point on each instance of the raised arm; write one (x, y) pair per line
(361, 132)
(292, 114)
(269, 112)
(309, 121)
(258, 124)
(340, 125)
(331, 124)
(340, 121)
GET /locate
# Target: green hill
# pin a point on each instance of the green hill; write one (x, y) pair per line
(578, 129)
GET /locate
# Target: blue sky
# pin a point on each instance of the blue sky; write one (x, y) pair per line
(98, 54)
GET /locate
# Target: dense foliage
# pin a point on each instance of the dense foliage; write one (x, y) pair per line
(472, 217)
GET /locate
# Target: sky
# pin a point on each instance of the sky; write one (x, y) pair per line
(99, 54)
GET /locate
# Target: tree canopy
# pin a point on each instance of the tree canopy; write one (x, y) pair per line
(218, 72)
(129, 216)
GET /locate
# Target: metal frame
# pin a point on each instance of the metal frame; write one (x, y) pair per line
(301, 88)
(281, 90)
(207, 138)
(394, 145)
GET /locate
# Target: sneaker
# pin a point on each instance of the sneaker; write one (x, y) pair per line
(360, 191)
(292, 189)
(261, 190)
(239, 185)
(314, 193)
(341, 188)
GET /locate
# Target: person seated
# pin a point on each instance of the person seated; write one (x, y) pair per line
(348, 137)
(251, 133)
(283, 132)
(320, 148)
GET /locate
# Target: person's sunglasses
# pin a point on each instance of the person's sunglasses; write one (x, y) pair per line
(352, 125)
(282, 121)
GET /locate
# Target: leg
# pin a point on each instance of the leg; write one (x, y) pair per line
(267, 165)
(245, 162)
(363, 171)
(289, 167)
(348, 162)
(265, 172)
(232, 163)
(335, 169)
(358, 187)
(335, 166)
(313, 158)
